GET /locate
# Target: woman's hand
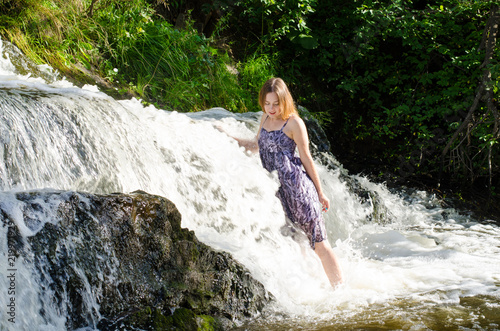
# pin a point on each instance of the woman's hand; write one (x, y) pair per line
(218, 127)
(325, 203)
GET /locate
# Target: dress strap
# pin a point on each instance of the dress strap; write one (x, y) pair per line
(284, 124)
(267, 116)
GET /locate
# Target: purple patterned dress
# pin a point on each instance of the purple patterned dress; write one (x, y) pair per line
(297, 192)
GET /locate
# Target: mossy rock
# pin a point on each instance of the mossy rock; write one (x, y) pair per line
(153, 319)
(145, 319)
(185, 319)
(208, 323)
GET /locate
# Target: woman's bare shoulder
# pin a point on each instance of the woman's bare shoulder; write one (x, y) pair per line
(296, 122)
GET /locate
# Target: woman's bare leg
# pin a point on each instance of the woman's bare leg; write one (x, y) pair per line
(330, 262)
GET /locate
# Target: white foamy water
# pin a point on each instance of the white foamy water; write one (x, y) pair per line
(59, 136)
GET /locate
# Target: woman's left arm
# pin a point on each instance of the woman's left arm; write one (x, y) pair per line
(301, 138)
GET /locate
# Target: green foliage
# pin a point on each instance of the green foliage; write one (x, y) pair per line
(134, 49)
(429, 72)
(173, 68)
(253, 73)
(40, 29)
(266, 23)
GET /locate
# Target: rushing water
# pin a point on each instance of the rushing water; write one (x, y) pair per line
(420, 266)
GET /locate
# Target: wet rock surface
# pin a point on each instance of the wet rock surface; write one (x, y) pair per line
(122, 260)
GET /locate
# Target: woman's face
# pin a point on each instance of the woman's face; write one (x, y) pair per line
(272, 105)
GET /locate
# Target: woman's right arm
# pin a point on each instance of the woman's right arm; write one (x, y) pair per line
(251, 145)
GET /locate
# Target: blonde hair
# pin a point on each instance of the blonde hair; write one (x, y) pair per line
(278, 86)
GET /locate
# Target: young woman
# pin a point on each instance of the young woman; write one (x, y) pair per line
(281, 132)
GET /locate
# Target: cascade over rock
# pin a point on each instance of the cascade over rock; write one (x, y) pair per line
(108, 257)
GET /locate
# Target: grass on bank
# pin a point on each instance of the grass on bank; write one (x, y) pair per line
(135, 51)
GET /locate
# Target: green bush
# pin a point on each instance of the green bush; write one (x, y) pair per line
(177, 69)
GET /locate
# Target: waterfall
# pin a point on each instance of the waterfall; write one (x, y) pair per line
(418, 255)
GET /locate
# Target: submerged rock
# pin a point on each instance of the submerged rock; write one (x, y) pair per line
(119, 260)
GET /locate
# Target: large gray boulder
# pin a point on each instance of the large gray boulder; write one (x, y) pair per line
(122, 260)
